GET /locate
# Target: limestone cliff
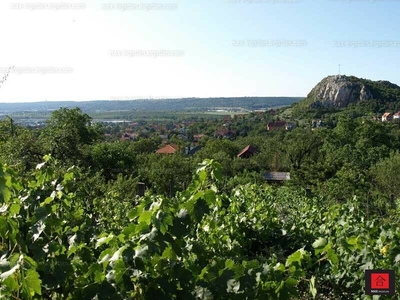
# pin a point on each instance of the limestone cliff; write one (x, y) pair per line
(338, 92)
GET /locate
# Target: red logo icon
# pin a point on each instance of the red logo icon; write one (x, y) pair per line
(380, 280)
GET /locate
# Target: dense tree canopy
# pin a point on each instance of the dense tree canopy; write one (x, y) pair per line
(72, 225)
(67, 130)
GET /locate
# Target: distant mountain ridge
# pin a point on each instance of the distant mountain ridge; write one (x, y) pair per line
(182, 104)
(342, 91)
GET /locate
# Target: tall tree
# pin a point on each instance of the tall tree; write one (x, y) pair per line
(387, 176)
(298, 145)
(67, 131)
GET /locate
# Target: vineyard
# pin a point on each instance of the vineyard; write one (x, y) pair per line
(59, 241)
(145, 152)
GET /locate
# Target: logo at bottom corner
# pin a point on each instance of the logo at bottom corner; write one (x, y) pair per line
(380, 282)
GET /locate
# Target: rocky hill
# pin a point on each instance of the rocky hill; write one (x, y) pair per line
(341, 91)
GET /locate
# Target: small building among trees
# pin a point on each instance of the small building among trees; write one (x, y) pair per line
(386, 117)
(247, 152)
(168, 149)
(276, 125)
(276, 177)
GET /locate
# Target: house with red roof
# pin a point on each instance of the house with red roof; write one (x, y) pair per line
(168, 149)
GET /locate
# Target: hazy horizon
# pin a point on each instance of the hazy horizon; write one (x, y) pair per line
(89, 50)
(139, 99)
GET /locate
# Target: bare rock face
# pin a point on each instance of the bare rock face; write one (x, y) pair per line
(338, 92)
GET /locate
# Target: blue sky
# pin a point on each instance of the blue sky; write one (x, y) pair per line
(208, 47)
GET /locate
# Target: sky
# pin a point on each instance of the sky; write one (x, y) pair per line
(122, 50)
